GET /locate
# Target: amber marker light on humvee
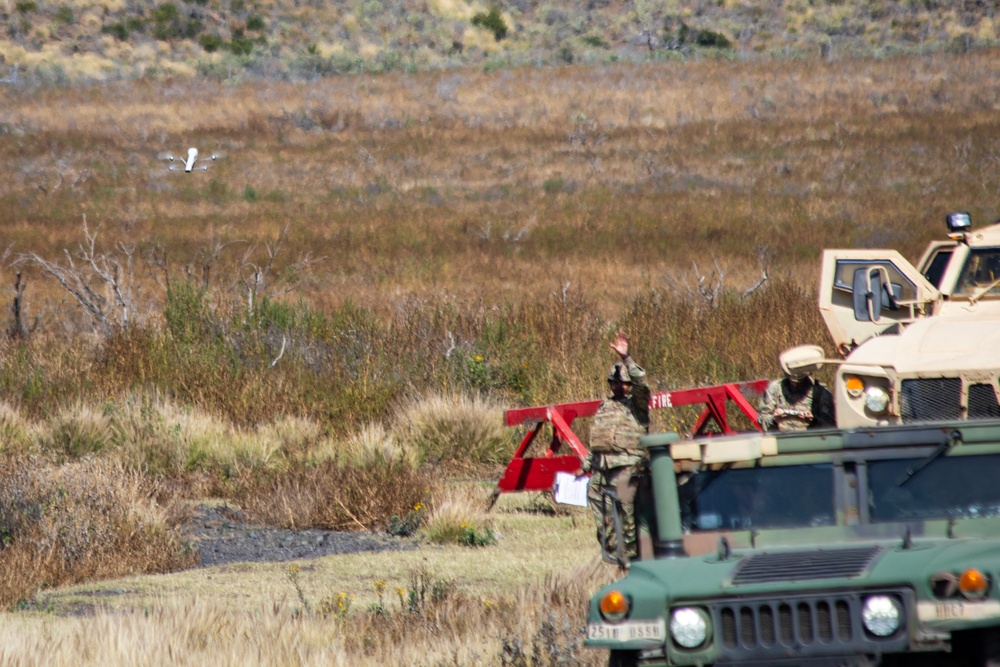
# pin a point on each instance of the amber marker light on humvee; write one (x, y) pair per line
(855, 387)
(973, 584)
(614, 606)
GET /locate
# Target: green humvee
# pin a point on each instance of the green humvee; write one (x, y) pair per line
(842, 547)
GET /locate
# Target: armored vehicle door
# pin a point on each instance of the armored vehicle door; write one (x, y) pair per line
(864, 293)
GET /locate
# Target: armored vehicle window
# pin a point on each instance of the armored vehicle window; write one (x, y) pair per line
(960, 487)
(744, 499)
(981, 271)
(903, 288)
(935, 272)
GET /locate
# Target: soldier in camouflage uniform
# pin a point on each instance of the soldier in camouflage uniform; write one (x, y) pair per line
(796, 402)
(614, 450)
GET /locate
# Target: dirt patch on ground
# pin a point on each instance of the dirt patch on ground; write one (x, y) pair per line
(224, 534)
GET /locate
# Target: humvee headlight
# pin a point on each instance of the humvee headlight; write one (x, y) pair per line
(854, 386)
(881, 615)
(689, 627)
(876, 400)
(614, 606)
(973, 584)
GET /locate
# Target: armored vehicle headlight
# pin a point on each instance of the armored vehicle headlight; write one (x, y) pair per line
(855, 387)
(689, 627)
(881, 615)
(973, 584)
(614, 606)
(876, 400)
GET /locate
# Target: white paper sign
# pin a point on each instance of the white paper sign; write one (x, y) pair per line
(570, 490)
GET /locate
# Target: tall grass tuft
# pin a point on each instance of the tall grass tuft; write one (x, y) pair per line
(17, 434)
(79, 521)
(458, 515)
(331, 495)
(77, 431)
(454, 429)
(423, 622)
(376, 445)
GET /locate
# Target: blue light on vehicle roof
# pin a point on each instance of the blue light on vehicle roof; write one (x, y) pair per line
(959, 222)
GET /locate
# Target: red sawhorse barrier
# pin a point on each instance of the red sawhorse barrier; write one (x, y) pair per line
(525, 473)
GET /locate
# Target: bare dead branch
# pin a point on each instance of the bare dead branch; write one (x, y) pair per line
(281, 352)
(18, 328)
(96, 272)
(764, 259)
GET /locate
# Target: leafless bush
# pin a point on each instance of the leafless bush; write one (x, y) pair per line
(102, 281)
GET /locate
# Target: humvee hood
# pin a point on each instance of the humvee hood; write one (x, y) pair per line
(942, 344)
(875, 564)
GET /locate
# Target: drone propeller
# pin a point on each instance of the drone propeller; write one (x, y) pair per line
(166, 156)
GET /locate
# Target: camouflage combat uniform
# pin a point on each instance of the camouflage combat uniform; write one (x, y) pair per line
(790, 398)
(614, 452)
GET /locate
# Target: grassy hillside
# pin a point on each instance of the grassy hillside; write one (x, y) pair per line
(86, 40)
(377, 265)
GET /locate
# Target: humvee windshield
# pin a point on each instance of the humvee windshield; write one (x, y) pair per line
(949, 487)
(748, 498)
(981, 271)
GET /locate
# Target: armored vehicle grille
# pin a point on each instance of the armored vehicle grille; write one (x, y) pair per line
(930, 399)
(804, 622)
(983, 402)
(800, 565)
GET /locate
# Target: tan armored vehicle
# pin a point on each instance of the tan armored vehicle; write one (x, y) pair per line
(921, 343)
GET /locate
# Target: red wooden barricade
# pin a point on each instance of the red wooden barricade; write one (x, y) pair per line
(538, 473)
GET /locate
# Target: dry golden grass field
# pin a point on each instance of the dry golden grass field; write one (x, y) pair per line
(324, 327)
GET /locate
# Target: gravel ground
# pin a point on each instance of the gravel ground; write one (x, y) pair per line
(224, 535)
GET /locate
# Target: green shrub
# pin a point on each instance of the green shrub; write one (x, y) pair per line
(26, 6)
(553, 185)
(168, 24)
(211, 43)
(118, 30)
(64, 15)
(255, 23)
(241, 46)
(166, 13)
(492, 21)
(712, 39)
(188, 312)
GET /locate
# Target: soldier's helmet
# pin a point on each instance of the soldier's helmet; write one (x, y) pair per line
(802, 361)
(619, 373)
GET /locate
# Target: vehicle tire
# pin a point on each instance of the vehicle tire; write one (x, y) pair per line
(623, 659)
(991, 648)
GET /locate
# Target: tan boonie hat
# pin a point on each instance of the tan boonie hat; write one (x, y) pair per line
(619, 373)
(801, 361)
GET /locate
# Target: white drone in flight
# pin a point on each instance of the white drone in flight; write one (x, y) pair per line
(189, 164)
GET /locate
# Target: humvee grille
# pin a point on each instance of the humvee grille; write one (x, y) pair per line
(799, 565)
(750, 625)
(930, 399)
(812, 624)
(983, 402)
